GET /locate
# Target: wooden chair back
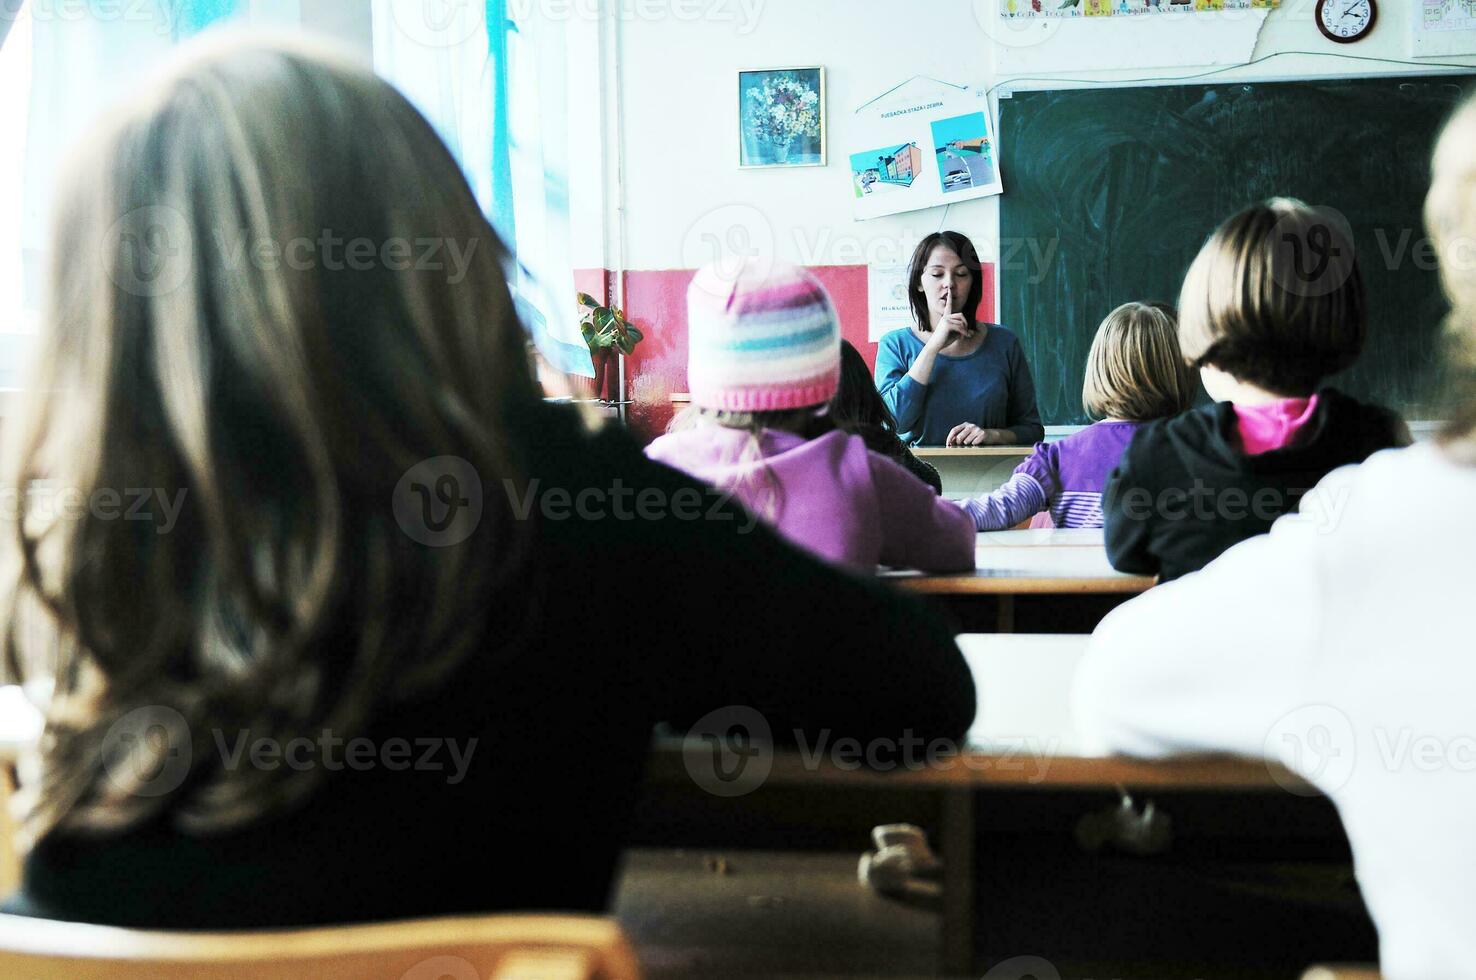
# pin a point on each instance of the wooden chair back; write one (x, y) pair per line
(494, 947)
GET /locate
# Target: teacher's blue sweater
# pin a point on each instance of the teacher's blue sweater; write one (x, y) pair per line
(991, 388)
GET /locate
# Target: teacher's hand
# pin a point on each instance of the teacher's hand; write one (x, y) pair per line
(952, 327)
(967, 434)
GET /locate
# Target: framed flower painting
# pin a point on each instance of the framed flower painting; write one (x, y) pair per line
(781, 117)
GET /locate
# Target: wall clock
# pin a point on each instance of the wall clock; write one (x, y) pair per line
(1346, 21)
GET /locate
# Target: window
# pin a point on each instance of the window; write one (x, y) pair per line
(18, 277)
(498, 92)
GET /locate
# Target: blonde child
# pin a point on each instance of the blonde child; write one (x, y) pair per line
(763, 364)
(1272, 305)
(1134, 374)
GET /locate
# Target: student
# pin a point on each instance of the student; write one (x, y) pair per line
(948, 380)
(1342, 649)
(313, 697)
(1264, 339)
(1134, 374)
(859, 410)
(763, 365)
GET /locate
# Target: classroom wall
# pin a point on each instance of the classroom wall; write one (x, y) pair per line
(685, 197)
(682, 195)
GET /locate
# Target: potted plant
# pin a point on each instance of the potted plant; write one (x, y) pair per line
(605, 329)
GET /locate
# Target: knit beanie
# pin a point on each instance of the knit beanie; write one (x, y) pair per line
(762, 338)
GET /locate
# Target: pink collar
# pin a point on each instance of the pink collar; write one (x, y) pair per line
(1273, 425)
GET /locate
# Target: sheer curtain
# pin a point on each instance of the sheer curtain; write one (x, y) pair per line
(495, 90)
(539, 144)
(58, 71)
(17, 324)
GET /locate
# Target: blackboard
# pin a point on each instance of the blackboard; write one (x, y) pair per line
(1109, 193)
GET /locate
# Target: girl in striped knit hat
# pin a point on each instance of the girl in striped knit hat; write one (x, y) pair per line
(763, 364)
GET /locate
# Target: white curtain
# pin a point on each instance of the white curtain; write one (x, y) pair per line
(537, 79)
(435, 53)
(17, 321)
(442, 55)
(59, 72)
(507, 124)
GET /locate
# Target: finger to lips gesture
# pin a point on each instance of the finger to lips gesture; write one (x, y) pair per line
(955, 323)
(952, 321)
(950, 328)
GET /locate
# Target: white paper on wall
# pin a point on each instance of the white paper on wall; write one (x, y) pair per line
(887, 301)
(924, 145)
(1442, 28)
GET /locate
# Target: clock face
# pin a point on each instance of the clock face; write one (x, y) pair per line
(1345, 21)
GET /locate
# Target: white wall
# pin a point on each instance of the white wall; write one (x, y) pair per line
(682, 185)
(682, 181)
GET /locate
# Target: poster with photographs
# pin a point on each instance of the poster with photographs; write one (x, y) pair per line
(921, 147)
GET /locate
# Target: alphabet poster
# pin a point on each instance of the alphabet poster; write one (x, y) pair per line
(921, 147)
(1122, 8)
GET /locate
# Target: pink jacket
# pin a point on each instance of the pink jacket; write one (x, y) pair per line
(831, 496)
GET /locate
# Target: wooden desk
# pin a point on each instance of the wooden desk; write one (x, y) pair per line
(1026, 561)
(1044, 537)
(974, 470)
(1024, 737)
(931, 453)
(1067, 564)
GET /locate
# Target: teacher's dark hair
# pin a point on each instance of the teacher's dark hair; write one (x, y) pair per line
(964, 249)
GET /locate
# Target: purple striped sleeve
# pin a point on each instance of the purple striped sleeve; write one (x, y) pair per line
(1020, 498)
(1077, 508)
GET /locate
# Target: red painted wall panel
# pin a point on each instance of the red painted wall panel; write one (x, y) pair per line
(656, 301)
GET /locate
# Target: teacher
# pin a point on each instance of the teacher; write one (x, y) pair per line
(948, 379)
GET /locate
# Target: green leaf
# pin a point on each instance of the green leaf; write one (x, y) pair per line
(605, 327)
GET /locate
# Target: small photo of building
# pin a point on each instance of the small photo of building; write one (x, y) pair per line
(889, 168)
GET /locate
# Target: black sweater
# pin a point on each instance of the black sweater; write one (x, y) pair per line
(1184, 491)
(642, 621)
